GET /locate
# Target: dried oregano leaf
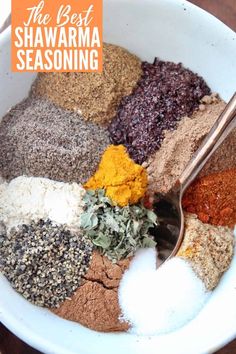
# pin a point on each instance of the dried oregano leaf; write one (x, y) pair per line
(102, 241)
(116, 232)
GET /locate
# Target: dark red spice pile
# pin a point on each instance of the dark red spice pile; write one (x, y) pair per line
(165, 93)
(212, 198)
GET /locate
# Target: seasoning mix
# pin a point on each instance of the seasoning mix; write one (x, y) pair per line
(79, 158)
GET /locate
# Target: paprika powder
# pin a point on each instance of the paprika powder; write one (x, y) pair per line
(213, 198)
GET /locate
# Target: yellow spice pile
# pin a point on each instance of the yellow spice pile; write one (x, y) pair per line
(125, 182)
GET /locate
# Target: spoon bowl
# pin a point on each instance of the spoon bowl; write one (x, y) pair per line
(168, 232)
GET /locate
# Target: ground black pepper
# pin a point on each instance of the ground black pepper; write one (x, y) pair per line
(165, 93)
(39, 139)
(44, 262)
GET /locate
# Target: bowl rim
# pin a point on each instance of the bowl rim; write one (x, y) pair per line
(28, 335)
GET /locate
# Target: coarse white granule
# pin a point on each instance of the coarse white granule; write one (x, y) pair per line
(27, 199)
(159, 300)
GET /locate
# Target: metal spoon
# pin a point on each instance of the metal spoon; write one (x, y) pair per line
(170, 233)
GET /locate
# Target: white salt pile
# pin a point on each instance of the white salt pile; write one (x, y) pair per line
(159, 300)
(27, 199)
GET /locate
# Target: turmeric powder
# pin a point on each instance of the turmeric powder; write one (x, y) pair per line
(125, 181)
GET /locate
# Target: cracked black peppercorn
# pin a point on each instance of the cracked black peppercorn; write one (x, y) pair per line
(45, 262)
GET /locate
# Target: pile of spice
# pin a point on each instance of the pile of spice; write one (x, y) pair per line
(209, 248)
(40, 139)
(213, 197)
(116, 232)
(94, 95)
(125, 182)
(167, 164)
(165, 93)
(95, 303)
(155, 301)
(44, 262)
(27, 199)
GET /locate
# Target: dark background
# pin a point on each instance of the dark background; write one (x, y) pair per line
(224, 10)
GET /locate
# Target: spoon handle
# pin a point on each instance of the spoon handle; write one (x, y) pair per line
(220, 130)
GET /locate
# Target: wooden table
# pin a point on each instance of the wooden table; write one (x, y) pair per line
(226, 11)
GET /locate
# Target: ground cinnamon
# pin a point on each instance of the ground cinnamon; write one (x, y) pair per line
(213, 198)
(95, 303)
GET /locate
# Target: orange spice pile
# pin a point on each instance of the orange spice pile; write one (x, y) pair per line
(213, 198)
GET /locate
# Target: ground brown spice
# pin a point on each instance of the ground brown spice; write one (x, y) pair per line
(167, 164)
(213, 198)
(208, 248)
(95, 303)
(94, 95)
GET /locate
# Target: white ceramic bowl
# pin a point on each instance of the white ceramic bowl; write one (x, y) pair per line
(172, 30)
